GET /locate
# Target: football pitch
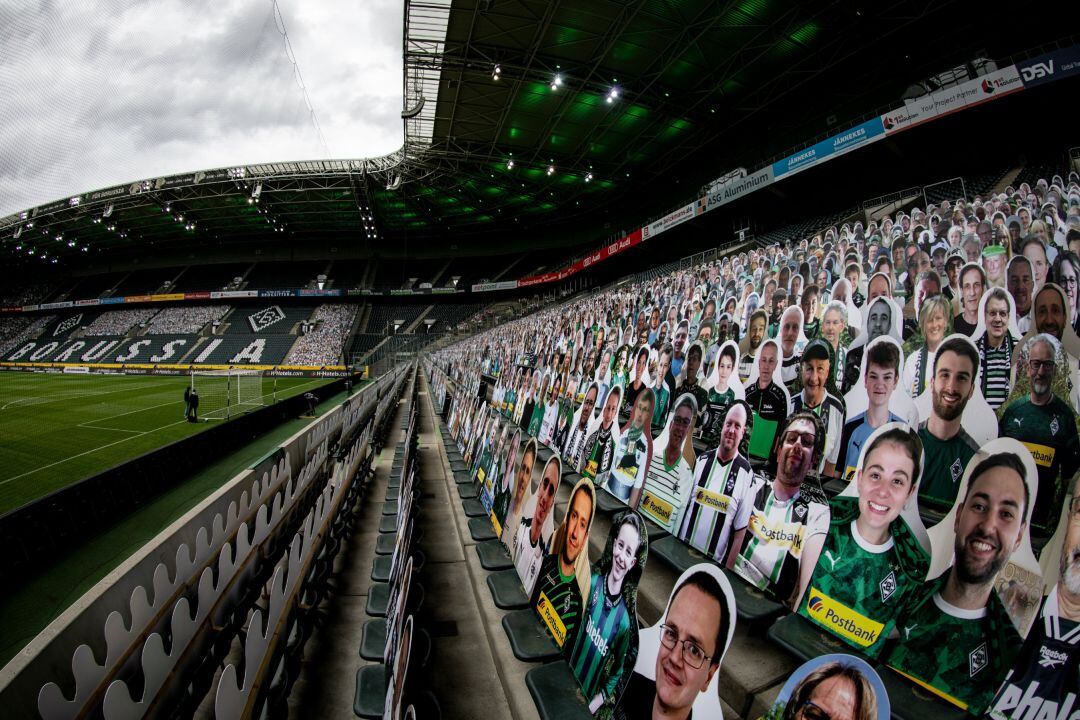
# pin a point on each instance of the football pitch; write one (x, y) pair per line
(57, 429)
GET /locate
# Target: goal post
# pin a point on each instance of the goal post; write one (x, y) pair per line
(224, 393)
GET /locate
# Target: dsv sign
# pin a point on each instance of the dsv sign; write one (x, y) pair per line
(1050, 67)
(1037, 71)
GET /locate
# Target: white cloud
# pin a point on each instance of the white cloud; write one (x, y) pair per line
(93, 95)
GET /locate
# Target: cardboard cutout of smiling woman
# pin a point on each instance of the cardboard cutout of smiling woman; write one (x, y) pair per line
(532, 537)
(832, 686)
(603, 437)
(605, 649)
(678, 658)
(960, 634)
(521, 490)
(558, 597)
(877, 552)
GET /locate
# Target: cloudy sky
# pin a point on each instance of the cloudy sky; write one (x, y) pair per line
(100, 93)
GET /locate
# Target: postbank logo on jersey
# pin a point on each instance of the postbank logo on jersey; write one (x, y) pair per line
(657, 508)
(849, 624)
(779, 535)
(712, 500)
(551, 619)
(1043, 455)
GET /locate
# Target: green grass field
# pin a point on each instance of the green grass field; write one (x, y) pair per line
(57, 429)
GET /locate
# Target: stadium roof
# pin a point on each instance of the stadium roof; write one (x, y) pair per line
(550, 123)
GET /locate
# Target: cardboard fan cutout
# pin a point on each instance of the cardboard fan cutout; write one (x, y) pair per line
(521, 489)
(1019, 582)
(666, 485)
(826, 683)
(603, 437)
(558, 596)
(877, 552)
(978, 419)
(700, 616)
(772, 403)
(532, 536)
(605, 648)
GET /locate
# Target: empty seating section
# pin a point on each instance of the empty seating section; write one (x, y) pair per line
(185, 319)
(384, 317)
(324, 342)
(94, 286)
(449, 316)
(207, 278)
(346, 274)
(802, 228)
(146, 282)
(282, 275)
(219, 615)
(397, 273)
(26, 294)
(1044, 168)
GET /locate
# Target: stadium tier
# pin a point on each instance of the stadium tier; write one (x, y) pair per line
(687, 360)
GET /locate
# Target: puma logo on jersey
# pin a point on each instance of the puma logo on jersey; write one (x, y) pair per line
(1018, 421)
(908, 629)
(832, 559)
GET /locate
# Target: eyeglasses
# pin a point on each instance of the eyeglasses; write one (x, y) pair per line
(1039, 365)
(692, 653)
(681, 421)
(810, 711)
(805, 439)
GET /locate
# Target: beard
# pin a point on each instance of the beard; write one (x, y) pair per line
(1070, 571)
(971, 574)
(944, 412)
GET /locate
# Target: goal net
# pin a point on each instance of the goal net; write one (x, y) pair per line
(224, 393)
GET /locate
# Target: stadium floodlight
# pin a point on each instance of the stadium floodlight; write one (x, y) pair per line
(84, 248)
(551, 170)
(588, 177)
(556, 82)
(30, 225)
(168, 207)
(71, 243)
(612, 95)
(496, 72)
(410, 112)
(510, 164)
